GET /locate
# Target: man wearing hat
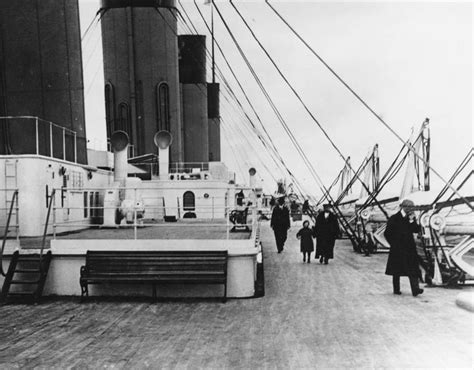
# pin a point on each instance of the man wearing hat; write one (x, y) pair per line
(280, 223)
(403, 260)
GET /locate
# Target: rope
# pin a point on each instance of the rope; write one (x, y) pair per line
(227, 85)
(366, 105)
(200, 89)
(267, 96)
(91, 24)
(298, 96)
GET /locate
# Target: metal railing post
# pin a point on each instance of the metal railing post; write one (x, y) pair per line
(64, 144)
(213, 208)
(135, 213)
(17, 217)
(227, 226)
(37, 135)
(51, 140)
(54, 214)
(75, 147)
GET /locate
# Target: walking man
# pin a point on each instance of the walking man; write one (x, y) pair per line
(403, 260)
(280, 223)
(326, 231)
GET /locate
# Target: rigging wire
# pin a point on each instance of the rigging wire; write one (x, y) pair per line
(96, 18)
(364, 103)
(289, 172)
(269, 139)
(242, 173)
(264, 141)
(275, 109)
(456, 173)
(296, 93)
(332, 184)
(239, 130)
(189, 28)
(256, 152)
(233, 73)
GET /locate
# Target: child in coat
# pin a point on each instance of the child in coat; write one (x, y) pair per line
(306, 236)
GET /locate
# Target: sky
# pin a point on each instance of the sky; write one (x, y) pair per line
(407, 60)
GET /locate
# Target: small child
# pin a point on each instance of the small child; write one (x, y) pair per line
(306, 236)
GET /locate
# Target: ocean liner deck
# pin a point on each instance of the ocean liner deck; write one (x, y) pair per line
(312, 316)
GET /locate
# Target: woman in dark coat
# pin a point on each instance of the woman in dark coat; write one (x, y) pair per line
(403, 260)
(280, 223)
(306, 236)
(326, 231)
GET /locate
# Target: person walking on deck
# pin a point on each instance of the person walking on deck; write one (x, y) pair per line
(326, 231)
(280, 223)
(306, 236)
(403, 260)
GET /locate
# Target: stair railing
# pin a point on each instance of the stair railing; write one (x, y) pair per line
(7, 227)
(43, 242)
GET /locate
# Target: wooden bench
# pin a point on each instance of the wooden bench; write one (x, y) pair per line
(154, 267)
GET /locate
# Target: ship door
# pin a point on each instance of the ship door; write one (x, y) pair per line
(189, 204)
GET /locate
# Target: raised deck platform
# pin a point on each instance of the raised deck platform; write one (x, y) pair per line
(182, 229)
(69, 251)
(342, 315)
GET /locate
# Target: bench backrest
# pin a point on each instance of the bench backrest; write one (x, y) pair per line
(155, 261)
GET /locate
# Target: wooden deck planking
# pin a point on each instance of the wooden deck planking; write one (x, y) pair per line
(339, 315)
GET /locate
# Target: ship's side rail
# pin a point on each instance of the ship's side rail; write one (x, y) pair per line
(144, 209)
(154, 268)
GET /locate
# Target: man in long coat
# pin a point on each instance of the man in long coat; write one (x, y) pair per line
(403, 260)
(326, 231)
(280, 223)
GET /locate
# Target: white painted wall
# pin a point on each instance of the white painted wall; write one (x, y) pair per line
(36, 175)
(69, 256)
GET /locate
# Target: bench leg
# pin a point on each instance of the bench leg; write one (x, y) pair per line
(224, 298)
(84, 291)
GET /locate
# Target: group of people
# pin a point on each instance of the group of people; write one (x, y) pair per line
(403, 259)
(325, 230)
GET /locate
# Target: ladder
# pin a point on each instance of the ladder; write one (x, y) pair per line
(26, 277)
(11, 185)
(27, 273)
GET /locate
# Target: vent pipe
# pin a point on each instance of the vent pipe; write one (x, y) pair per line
(163, 140)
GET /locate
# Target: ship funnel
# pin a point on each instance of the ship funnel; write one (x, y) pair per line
(119, 142)
(252, 172)
(163, 140)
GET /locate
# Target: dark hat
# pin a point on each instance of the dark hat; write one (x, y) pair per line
(407, 203)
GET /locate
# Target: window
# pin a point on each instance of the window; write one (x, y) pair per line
(92, 211)
(77, 179)
(162, 107)
(85, 204)
(189, 203)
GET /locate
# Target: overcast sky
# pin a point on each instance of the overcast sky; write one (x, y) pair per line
(408, 60)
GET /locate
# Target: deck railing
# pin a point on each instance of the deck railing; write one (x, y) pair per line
(144, 210)
(33, 135)
(187, 170)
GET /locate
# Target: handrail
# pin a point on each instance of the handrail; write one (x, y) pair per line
(50, 206)
(5, 234)
(40, 119)
(47, 125)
